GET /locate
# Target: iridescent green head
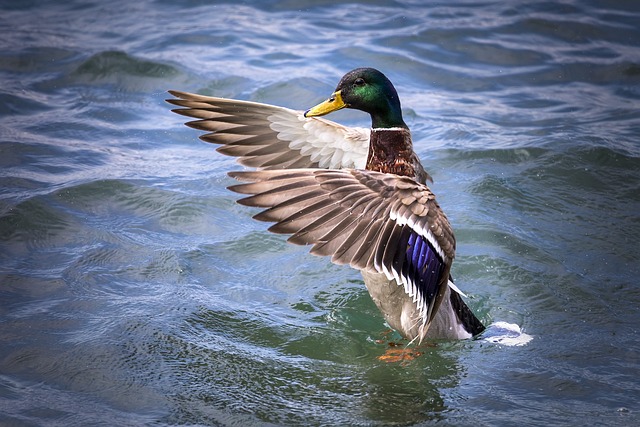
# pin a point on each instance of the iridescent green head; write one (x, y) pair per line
(368, 90)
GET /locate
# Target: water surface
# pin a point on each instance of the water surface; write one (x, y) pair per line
(134, 290)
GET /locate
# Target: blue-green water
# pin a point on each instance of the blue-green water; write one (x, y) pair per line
(133, 290)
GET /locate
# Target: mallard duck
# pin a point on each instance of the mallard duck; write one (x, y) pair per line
(357, 195)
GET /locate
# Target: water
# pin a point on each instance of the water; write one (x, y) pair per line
(135, 291)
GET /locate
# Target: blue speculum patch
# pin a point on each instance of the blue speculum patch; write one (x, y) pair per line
(423, 265)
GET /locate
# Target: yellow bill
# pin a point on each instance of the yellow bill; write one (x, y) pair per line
(332, 104)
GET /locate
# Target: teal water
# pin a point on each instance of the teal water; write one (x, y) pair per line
(135, 291)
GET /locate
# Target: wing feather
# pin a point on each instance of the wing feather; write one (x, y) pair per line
(370, 220)
(271, 137)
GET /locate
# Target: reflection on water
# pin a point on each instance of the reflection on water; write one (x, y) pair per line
(305, 371)
(134, 290)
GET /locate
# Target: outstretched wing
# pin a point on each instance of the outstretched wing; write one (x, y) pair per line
(369, 220)
(270, 137)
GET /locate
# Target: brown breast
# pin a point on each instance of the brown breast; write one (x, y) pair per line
(391, 151)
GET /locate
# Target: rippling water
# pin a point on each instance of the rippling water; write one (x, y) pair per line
(135, 291)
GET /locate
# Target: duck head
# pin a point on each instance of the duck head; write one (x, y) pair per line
(368, 90)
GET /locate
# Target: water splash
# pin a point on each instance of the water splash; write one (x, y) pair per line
(505, 333)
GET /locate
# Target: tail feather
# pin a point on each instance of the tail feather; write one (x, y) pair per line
(470, 322)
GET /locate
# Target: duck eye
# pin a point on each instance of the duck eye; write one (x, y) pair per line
(359, 81)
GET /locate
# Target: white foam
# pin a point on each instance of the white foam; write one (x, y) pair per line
(504, 333)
